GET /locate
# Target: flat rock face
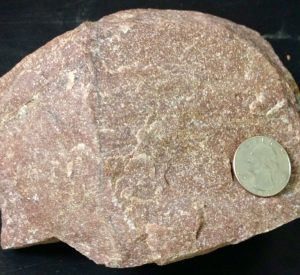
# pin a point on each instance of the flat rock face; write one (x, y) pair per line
(117, 138)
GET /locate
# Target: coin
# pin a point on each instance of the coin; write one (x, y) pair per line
(262, 166)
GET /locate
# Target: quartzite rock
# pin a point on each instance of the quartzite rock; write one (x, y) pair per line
(117, 138)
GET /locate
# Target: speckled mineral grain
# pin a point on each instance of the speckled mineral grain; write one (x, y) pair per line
(117, 138)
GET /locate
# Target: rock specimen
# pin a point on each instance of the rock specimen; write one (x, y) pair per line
(117, 138)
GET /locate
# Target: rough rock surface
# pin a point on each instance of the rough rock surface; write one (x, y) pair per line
(117, 138)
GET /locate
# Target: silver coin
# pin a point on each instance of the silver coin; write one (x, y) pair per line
(262, 166)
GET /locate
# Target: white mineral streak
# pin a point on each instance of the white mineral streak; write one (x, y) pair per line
(70, 80)
(277, 107)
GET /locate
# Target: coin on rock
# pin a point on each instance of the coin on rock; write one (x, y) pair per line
(262, 166)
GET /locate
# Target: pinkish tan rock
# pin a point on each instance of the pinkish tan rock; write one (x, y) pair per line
(117, 138)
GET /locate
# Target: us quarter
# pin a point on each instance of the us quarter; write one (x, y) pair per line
(262, 166)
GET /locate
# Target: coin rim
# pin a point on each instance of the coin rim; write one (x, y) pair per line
(245, 187)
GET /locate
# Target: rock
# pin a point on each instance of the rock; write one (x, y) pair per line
(117, 138)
